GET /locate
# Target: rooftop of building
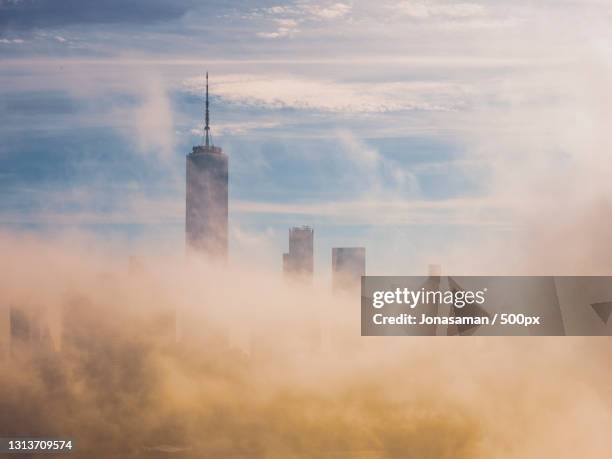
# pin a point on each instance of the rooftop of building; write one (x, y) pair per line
(303, 228)
(203, 149)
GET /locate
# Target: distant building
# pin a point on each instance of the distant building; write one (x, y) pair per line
(23, 326)
(299, 261)
(28, 330)
(5, 332)
(348, 265)
(207, 197)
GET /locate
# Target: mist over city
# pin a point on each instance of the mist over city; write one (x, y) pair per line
(193, 190)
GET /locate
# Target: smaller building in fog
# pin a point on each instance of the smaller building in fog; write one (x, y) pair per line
(299, 261)
(348, 265)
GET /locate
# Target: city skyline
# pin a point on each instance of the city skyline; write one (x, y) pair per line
(449, 140)
(399, 213)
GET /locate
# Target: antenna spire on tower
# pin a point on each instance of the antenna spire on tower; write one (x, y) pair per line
(207, 125)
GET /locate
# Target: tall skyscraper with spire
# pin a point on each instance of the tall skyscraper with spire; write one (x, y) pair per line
(207, 196)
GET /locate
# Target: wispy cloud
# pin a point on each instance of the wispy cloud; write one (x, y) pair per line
(309, 11)
(332, 11)
(465, 212)
(287, 18)
(9, 41)
(138, 209)
(424, 10)
(284, 28)
(282, 91)
(152, 123)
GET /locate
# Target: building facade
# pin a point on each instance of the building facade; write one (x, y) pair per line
(299, 260)
(348, 265)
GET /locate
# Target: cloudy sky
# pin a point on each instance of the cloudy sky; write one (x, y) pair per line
(419, 129)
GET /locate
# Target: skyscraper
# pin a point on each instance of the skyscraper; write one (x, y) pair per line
(299, 261)
(5, 331)
(207, 196)
(348, 265)
(29, 330)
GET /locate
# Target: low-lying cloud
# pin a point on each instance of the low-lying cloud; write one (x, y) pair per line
(271, 369)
